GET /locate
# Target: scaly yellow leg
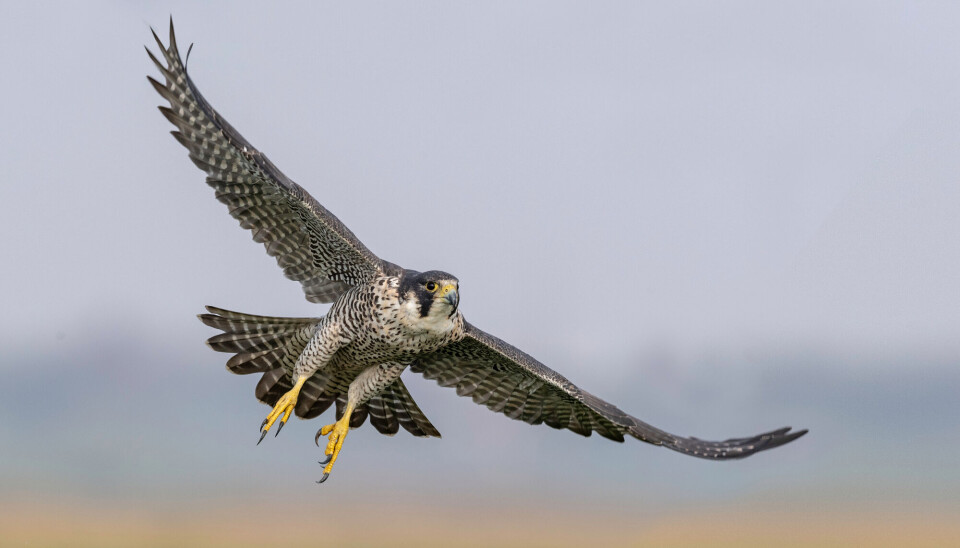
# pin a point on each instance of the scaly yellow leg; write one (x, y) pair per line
(338, 432)
(283, 407)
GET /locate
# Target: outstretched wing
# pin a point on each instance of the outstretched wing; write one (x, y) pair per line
(311, 245)
(509, 381)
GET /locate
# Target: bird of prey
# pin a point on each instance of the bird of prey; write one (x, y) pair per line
(383, 318)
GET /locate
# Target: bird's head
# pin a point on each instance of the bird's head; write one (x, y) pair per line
(430, 296)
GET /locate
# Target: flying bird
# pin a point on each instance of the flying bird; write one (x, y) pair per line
(383, 319)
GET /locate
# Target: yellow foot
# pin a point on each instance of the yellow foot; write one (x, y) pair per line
(284, 408)
(338, 432)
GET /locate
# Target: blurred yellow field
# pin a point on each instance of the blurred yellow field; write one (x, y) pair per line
(90, 525)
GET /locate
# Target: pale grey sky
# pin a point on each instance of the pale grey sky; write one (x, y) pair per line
(672, 204)
(746, 173)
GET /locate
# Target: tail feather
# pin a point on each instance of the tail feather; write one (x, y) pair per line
(245, 363)
(261, 344)
(314, 398)
(239, 320)
(245, 342)
(408, 413)
(382, 416)
(273, 384)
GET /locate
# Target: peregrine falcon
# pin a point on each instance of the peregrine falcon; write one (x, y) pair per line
(383, 318)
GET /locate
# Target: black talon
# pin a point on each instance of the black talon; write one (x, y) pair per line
(262, 436)
(316, 440)
(279, 428)
(262, 424)
(326, 460)
(324, 478)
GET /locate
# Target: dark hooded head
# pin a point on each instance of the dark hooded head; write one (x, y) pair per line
(435, 293)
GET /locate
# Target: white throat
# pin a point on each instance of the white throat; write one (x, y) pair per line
(437, 322)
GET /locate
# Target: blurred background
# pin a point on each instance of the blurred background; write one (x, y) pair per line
(722, 217)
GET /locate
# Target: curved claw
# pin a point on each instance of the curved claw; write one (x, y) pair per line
(316, 440)
(326, 460)
(281, 410)
(324, 478)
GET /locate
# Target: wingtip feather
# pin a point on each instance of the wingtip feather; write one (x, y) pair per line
(173, 39)
(157, 39)
(797, 434)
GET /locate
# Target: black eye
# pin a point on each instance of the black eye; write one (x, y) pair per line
(431, 287)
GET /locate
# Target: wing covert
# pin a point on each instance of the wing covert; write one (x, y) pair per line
(507, 380)
(309, 243)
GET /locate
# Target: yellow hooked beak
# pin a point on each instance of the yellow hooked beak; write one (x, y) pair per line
(450, 294)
